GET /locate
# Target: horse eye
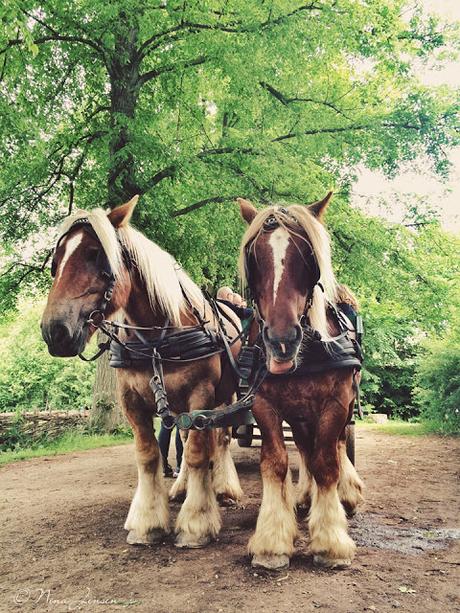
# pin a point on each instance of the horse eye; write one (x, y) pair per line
(53, 268)
(92, 255)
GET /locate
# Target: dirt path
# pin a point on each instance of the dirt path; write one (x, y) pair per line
(63, 543)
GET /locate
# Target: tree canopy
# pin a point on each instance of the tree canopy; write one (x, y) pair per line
(191, 104)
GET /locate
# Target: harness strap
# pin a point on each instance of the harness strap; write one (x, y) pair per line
(103, 347)
(224, 338)
(220, 418)
(358, 397)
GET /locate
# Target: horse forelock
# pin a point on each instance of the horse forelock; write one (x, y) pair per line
(164, 279)
(105, 232)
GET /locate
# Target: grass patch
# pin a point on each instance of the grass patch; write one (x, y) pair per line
(68, 442)
(405, 428)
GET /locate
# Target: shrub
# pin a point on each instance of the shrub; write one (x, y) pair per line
(30, 378)
(437, 390)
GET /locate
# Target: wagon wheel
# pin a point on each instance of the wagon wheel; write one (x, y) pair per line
(350, 441)
(244, 435)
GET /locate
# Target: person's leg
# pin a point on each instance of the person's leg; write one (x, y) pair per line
(179, 449)
(164, 439)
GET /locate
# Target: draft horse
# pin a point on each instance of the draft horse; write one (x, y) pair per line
(102, 265)
(285, 260)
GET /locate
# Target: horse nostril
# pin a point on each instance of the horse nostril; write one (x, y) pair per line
(60, 333)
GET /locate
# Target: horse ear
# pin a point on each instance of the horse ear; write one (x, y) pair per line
(121, 215)
(247, 209)
(318, 208)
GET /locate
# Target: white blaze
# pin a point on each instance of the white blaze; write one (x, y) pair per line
(70, 246)
(279, 241)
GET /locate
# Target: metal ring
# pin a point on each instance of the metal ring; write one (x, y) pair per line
(96, 318)
(168, 421)
(184, 421)
(201, 422)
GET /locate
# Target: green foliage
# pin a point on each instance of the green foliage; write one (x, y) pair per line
(68, 442)
(192, 104)
(408, 285)
(402, 428)
(437, 389)
(30, 378)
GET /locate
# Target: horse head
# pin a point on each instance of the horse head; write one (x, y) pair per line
(89, 278)
(285, 254)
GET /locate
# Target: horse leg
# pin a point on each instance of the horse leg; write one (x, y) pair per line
(179, 487)
(225, 478)
(329, 540)
(350, 485)
(148, 516)
(272, 544)
(301, 436)
(199, 518)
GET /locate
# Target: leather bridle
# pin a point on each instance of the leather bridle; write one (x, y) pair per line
(270, 225)
(102, 264)
(97, 316)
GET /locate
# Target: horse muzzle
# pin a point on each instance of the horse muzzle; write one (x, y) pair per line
(62, 341)
(282, 349)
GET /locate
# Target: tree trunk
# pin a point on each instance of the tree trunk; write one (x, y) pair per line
(106, 413)
(124, 92)
(124, 89)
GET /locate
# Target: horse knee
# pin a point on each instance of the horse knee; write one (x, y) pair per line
(276, 467)
(325, 469)
(196, 452)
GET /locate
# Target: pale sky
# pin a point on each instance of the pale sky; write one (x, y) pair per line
(415, 178)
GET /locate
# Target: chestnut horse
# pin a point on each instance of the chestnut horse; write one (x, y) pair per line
(149, 288)
(285, 260)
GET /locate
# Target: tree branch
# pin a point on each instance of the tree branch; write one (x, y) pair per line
(352, 128)
(287, 101)
(223, 150)
(56, 37)
(231, 28)
(169, 171)
(201, 203)
(152, 74)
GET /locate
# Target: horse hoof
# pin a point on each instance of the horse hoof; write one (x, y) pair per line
(180, 497)
(189, 541)
(153, 537)
(270, 562)
(350, 510)
(333, 563)
(225, 501)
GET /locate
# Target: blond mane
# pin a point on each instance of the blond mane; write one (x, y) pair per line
(304, 224)
(163, 277)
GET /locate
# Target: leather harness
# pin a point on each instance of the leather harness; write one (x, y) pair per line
(177, 345)
(315, 355)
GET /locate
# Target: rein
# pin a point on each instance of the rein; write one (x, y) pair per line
(199, 341)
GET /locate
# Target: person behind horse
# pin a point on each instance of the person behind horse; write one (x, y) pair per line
(347, 303)
(164, 440)
(235, 301)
